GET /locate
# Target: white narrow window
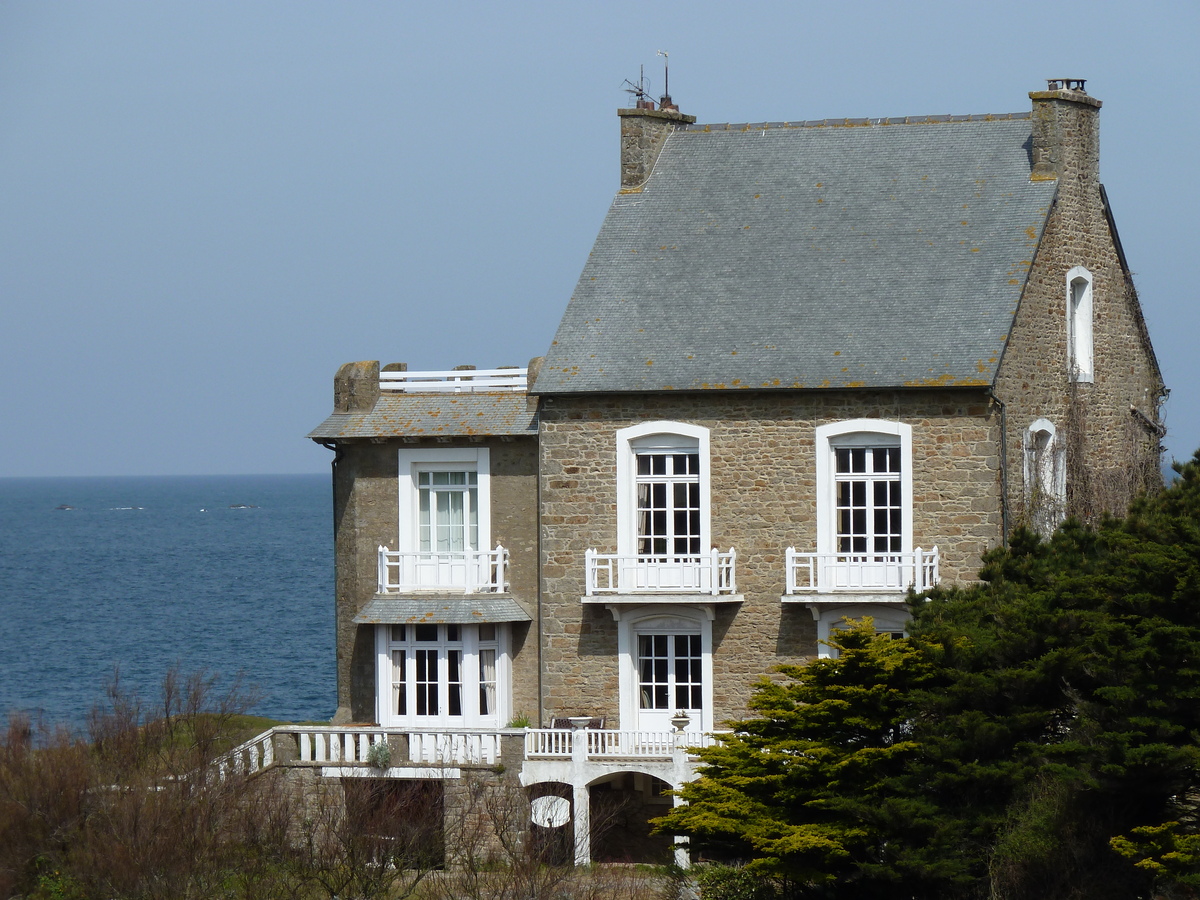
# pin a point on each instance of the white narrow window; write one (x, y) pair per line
(1079, 324)
(1045, 476)
(443, 674)
(487, 670)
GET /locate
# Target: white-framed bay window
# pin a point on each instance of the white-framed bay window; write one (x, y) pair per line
(443, 674)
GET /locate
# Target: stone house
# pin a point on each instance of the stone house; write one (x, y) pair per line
(807, 367)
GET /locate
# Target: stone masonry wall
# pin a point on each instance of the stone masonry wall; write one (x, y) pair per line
(366, 514)
(1111, 454)
(763, 500)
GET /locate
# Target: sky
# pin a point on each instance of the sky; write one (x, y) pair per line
(206, 208)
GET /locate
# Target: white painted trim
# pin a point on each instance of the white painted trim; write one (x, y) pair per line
(1051, 516)
(887, 618)
(434, 773)
(1081, 362)
(470, 683)
(861, 432)
(429, 459)
(689, 619)
(665, 436)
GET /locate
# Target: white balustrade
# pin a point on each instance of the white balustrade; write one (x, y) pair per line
(459, 747)
(328, 744)
(555, 743)
(455, 381)
(471, 571)
(809, 572)
(703, 573)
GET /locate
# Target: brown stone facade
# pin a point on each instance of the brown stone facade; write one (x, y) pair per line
(763, 500)
(366, 514)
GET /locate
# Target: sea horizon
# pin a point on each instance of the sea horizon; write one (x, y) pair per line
(227, 574)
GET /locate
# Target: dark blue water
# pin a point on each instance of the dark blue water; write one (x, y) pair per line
(147, 573)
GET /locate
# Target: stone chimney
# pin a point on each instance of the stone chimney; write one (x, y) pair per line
(643, 133)
(356, 387)
(1066, 133)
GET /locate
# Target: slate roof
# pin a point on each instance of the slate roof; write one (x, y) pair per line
(867, 253)
(434, 415)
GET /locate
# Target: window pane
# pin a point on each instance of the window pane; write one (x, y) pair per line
(454, 682)
(399, 687)
(487, 681)
(454, 633)
(398, 633)
(487, 632)
(426, 632)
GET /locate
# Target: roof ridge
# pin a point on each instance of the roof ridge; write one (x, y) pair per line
(852, 123)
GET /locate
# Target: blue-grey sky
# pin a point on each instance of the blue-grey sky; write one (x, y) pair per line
(206, 208)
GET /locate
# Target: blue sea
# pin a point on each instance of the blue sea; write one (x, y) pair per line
(230, 575)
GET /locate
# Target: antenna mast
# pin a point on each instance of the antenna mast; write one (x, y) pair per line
(641, 95)
(665, 101)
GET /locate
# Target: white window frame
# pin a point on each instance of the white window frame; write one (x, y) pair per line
(886, 619)
(665, 436)
(1051, 480)
(470, 646)
(659, 619)
(413, 461)
(860, 433)
(1080, 315)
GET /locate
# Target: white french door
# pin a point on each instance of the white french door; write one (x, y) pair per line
(670, 673)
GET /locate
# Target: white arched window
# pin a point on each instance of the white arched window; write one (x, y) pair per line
(1079, 324)
(1045, 476)
(662, 489)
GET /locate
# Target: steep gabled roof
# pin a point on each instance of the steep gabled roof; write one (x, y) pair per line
(876, 253)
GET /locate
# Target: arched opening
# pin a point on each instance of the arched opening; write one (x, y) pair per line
(622, 807)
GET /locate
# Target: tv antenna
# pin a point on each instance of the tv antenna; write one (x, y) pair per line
(639, 92)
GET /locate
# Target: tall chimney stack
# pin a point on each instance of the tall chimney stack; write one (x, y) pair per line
(1066, 133)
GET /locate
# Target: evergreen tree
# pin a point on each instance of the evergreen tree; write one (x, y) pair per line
(1035, 737)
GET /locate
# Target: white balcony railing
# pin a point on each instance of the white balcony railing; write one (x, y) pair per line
(455, 381)
(556, 743)
(703, 573)
(471, 571)
(809, 572)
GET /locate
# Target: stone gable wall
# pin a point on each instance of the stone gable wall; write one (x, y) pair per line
(763, 501)
(1111, 454)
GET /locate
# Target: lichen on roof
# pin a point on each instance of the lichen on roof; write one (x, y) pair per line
(862, 247)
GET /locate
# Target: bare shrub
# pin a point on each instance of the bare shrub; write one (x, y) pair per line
(368, 838)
